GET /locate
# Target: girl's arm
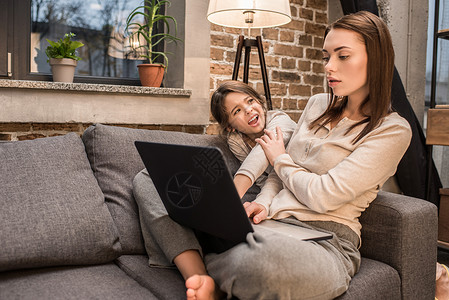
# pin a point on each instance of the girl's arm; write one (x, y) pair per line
(258, 209)
(282, 120)
(273, 185)
(242, 184)
(256, 163)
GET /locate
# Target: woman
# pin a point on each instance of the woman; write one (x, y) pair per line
(345, 146)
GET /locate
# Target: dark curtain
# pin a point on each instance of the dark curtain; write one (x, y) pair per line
(412, 169)
(352, 6)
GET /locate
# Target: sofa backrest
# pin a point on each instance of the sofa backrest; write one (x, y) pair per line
(52, 209)
(115, 162)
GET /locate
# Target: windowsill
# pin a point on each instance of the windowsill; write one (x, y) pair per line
(56, 102)
(90, 87)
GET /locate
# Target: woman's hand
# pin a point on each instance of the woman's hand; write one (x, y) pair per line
(255, 211)
(272, 144)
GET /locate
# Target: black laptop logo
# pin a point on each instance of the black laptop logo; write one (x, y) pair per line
(184, 190)
(210, 163)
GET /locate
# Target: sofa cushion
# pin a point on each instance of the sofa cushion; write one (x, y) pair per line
(52, 209)
(165, 283)
(87, 282)
(375, 280)
(115, 161)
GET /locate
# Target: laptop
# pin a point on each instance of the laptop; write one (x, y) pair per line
(198, 191)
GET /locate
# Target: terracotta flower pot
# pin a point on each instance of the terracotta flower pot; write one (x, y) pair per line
(63, 69)
(151, 74)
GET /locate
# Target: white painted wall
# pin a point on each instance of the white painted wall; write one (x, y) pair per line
(197, 54)
(46, 106)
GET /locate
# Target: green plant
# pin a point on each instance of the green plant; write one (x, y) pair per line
(64, 48)
(141, 37)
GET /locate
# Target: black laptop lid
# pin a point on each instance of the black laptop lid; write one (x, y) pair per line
(196, 188)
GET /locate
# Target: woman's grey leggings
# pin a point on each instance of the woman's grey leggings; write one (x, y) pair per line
(267, 266)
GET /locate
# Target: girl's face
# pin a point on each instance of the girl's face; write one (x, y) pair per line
(346, 64)
(245, 114)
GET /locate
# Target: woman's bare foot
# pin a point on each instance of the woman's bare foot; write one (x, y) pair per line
(442, 284)
(201, 287)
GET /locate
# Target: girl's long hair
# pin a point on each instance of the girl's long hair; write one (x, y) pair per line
(374, 32)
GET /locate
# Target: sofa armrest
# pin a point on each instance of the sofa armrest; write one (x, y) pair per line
(401, 231)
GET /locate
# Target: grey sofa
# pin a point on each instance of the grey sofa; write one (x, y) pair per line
(69, 227)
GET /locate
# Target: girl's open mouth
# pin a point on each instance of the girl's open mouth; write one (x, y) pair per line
(253, 120)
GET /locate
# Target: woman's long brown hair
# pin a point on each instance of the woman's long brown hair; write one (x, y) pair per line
(380, 52)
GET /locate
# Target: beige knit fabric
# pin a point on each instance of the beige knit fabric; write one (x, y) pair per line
(325, 177)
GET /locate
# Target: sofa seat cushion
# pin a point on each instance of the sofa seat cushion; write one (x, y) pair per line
(378, 280)
(52, 209)
(374, 278)
(115, 162)
(165, 283)
(88, 282)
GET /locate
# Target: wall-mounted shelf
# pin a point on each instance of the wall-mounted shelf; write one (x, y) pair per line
(437, 130)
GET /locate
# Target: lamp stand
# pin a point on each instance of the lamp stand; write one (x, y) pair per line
(248, 43)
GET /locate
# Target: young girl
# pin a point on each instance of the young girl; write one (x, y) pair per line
(241, 113)
(345, 146)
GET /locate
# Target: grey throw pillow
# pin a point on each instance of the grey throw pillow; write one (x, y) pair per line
(52, 209)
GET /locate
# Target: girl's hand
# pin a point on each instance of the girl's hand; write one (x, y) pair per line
(272, 144)
(255, 211)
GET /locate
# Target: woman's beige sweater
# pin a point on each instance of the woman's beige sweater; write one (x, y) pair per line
(323, 176)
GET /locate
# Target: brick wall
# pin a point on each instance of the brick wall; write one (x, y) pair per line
(292, 55)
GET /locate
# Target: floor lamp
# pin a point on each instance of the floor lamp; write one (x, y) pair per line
(250, 14)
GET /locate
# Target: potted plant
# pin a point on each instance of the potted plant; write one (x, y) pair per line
(62, 57)
(143, 39)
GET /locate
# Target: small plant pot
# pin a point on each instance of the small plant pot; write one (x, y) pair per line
(63, 69)
(151, 74)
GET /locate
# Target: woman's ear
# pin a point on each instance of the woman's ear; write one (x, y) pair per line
(230, 129)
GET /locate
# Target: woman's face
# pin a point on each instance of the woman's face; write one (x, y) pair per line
(346, 64)
(245, 114)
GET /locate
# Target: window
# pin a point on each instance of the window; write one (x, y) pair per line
(5, 26)
(99, 24)
(442, 55)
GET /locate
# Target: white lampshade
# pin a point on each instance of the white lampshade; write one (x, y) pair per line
(232, 13)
